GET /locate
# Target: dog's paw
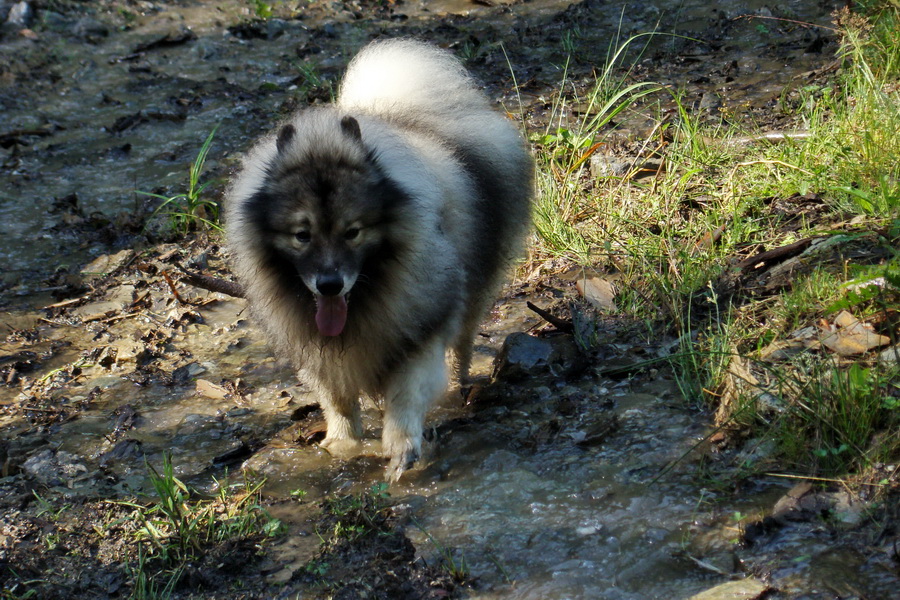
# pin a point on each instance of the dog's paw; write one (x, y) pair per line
(342, 447)
(400, 463)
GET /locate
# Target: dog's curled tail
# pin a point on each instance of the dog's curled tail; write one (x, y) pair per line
(409, 77)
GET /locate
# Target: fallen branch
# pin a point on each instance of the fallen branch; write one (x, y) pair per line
(776, 254)
(560, 324)
(213, 284)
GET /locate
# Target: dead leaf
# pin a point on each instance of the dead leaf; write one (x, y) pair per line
(782, 350)
(845, 319)
(106, 264)
(211, 390)
(599, 292)
(849, 344)
(854, 336)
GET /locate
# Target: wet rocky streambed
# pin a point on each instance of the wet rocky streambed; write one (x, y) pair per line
(569, 470)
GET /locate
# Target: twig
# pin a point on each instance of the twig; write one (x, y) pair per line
(172, 287)
(780, 253)
(213, 284)
(704, 564)
(560, 324)
(66, 302)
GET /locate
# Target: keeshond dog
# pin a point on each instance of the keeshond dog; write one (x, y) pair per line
(372, 235)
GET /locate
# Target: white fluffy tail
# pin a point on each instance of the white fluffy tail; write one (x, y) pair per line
(407, 76)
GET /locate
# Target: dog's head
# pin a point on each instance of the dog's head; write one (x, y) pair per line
(325, 211)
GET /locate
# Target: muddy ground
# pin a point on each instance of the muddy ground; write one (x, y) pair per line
(542, 482)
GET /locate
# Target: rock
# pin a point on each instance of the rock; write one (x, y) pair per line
(21, 15)
(847, 509)
(608, 166)
(744, 589)
(55, 21)
(523, 356)
(710, 103)
(128, 450)
(185, 374)
(799, 504)
(90, 30)
(95, 311)
(596, 433)
(891, 356)
(130, 351)
(54, 468)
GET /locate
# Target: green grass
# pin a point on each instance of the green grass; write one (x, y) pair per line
(674, 238)
(453, 563)
(852, 152)
(564, 152)
(838, 413)
(191, 209)
(355, 515)
(179, 527)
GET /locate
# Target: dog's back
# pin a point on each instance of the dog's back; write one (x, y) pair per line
(421, 88)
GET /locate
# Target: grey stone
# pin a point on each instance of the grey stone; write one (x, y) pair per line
(20, 15)
(524, 356)
(90, 30)
(891, 356)
(54, 468)
(53, 21)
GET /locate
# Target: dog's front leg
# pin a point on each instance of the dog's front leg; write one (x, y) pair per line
(409, 395)
(342, 416)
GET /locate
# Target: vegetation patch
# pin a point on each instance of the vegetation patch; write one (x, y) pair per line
(364, 553)
(177, 545)
(772, 255)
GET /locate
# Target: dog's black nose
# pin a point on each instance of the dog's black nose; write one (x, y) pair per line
(329, 284)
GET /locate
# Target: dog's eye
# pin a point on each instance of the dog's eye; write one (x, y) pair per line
(303, 236)
(352, 233)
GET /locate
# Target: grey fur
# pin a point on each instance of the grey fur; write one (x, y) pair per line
(372, 236)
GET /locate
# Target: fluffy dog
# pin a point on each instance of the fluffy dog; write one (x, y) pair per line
(372, 236)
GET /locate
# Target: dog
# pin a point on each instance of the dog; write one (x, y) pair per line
(373, 234)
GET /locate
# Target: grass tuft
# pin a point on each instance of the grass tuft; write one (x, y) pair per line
(179, 529)
(191, 210)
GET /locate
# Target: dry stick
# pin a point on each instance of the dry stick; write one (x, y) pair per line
(172, 287)
(560, 324)
(780, 253)
(213, 284)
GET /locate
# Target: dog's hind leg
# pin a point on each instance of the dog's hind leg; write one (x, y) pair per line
(342, 415)
(409, 395)
(464, 345)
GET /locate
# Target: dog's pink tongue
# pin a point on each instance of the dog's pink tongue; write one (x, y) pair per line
(331, 314)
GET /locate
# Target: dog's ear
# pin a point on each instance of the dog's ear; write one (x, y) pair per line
(350, 127)
(285, 136)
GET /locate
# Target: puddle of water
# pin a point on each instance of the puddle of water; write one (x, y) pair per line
(565, 522)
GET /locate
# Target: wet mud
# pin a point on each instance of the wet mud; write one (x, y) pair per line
(572, 468)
